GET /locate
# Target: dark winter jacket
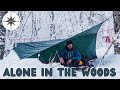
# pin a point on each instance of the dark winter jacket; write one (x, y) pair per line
(70, 54)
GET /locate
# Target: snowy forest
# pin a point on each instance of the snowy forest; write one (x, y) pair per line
(53, 25)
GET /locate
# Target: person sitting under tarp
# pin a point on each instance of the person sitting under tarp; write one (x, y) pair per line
(70, 56)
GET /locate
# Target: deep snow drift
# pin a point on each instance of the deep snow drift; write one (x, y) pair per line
(13, 61)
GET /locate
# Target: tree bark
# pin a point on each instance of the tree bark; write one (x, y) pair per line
(2, 35)
(116, 16)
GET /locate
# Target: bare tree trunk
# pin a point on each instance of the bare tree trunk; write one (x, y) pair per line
(116, 16)
(52, 26)
(2, 35)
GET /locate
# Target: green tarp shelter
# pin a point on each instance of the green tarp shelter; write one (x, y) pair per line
(46, 51)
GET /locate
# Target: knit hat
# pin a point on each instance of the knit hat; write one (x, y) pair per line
(69, 42)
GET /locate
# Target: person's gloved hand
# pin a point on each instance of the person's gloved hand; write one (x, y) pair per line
(69, 61)
(61, 60)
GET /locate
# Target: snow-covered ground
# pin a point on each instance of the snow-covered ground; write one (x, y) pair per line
(13, 61)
